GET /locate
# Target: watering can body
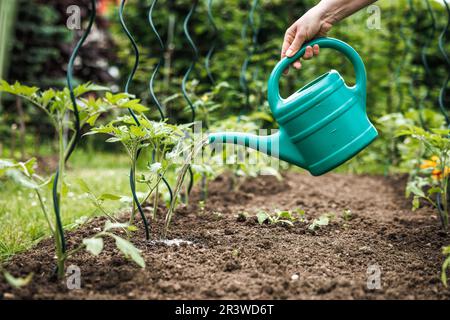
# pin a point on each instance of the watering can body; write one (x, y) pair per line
(322, 125)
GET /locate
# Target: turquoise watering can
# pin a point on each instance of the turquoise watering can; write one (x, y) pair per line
(322, 125)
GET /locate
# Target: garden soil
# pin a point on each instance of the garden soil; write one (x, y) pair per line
(384, 251)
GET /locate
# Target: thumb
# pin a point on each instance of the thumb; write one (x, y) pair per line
(296, 44)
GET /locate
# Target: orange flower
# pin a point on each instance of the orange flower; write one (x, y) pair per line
(436, 172)
(428, 164)
(438, 175)
(435, 158)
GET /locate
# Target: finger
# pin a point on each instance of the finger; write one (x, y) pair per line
(297, 65)
(308, 53)
(296, 44)
(287, 41)
(316, 49)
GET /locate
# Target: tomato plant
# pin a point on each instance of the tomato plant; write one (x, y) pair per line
(57, 105)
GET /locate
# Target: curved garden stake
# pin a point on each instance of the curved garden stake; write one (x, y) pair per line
(423, 54)
(152, 79)
(447, 61)
(194, 58)
(399, 69)
(75, 138)
(213, 43)
(442, 94)
(127, 85)
(186, 76)
(250, 51)
(160, 61)
(412, 13)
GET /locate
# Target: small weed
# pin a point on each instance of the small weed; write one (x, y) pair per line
(201, 206)
(236, 253)
(347, 215)
(242, 216)
(217, 215)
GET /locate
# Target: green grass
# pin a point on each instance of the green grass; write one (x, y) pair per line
(22, 223)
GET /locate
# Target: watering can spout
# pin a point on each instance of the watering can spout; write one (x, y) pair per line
(277, 145)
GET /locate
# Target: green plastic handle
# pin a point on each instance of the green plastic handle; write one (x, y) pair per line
(276, 101)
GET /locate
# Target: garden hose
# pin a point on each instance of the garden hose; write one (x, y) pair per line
(152, 79)
(127, 85)
(447, 61)
(55, 195)
(186, 76)
(213, 43)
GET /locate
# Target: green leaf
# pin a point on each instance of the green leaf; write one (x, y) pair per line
(415, 203)
(83, 185)
(285, 215)
(47, 96)
(17, 282)
(113, 139)
(412, 187)
(22, 180)
(262, 217)
(445, 266)
(323, 220)
(109, 196)
(434, 190)
(129, 250)
(88, 87)
(92, 119)
(115, 225)
(94, 245)
(132, 228)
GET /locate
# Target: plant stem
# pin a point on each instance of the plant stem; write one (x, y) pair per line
(133, 178)
(59, 247)
(155, 202)
(44, 210)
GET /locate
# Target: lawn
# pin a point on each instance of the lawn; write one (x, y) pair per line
(22, 223)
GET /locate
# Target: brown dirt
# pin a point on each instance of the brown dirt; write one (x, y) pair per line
(235, 258)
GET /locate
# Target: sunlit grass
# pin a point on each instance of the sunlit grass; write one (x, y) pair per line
(22, 222)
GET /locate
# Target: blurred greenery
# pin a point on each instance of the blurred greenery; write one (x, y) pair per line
(398, 88)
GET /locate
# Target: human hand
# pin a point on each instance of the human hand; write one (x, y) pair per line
(308, 27)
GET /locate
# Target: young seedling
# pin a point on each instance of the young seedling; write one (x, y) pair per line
(160, 138)
(16, 282)
(429, 179)
(347, 215)
(194, 148)
(279, 217)
(322, 221)
(445, 265)
(95, 244)
(57, 105)
(24, 174)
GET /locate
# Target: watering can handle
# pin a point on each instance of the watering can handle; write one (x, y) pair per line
(274, 97)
